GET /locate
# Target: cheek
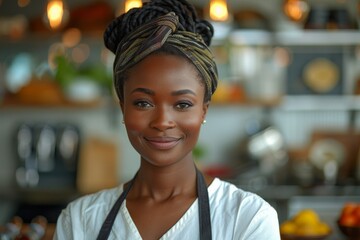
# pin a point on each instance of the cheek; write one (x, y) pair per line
(135, 121)
(191, 124)
(134, 125)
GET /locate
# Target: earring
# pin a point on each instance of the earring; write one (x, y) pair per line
(123, 122)
(204, 121)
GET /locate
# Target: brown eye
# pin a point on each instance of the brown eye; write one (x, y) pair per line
(142, 104)
(183, 105)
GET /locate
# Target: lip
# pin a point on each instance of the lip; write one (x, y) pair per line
(162, 143)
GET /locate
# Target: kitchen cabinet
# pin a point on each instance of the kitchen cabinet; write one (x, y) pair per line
(251, 51)
(296, 114)
(272, 65)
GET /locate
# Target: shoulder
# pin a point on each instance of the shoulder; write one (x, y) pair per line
(227, 191)
(101, 200)
(84, 216)
(246, 214)
(236, 199)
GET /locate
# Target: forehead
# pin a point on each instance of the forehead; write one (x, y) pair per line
(164, 70)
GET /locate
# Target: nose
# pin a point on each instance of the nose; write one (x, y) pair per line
(163, 119)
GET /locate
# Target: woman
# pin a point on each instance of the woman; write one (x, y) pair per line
(164, 76)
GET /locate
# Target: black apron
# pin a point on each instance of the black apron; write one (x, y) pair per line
(204, 210)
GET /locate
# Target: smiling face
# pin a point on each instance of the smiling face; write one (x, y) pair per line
(163, 108)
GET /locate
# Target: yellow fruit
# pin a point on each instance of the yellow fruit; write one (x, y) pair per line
(306, 217)
(306, 230)
(304, 224)
(323, 228)
(287, 227)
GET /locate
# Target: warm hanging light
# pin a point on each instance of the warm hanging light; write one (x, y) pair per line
(129, 4)
(56, 13)
(218, 10)
(296, 10)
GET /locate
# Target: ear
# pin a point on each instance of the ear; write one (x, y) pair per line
(205, 109)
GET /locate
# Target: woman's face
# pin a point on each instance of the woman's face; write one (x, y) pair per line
(163, 108)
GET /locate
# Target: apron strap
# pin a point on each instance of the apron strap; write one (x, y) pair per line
(110, 219)
(204, 207)
(204, 210)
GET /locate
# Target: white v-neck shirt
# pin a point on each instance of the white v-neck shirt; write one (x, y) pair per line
(235, 214)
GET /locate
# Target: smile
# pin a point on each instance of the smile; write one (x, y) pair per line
(162, 143)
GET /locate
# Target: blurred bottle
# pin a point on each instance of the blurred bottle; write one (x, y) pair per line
(36, 229)
(12, 229)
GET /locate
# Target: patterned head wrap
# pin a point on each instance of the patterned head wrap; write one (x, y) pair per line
(151, 37)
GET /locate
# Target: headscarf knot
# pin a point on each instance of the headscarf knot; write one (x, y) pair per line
(151, 37)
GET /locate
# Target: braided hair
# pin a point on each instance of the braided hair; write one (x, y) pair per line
(126, 23)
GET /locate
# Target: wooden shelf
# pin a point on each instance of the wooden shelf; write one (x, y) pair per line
(66, 104)
(13, 102)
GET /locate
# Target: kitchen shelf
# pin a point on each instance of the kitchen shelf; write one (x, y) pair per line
(301, 103)
(39, 196)
(323, 38)
(317, 103)
(286, 192)
(65, 105)
(295, 37)
(91, 37)
(274, 102)
(14, 101)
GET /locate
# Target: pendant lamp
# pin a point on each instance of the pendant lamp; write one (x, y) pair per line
(129, 4)
(56, 15)
(218, 10)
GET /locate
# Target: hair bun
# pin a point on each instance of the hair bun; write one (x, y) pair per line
(206, 30)
(128, 22)
(111, 38)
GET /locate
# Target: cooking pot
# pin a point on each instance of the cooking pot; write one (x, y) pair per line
(268, 148)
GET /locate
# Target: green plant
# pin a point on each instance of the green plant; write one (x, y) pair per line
(67, 72)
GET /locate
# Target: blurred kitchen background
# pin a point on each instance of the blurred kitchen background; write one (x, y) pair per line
(284, 122)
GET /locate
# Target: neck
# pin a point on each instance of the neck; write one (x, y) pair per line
(161, 183)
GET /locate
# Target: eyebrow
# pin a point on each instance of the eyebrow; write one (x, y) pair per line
(174, 93)
(183, 92)
(144, 90)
